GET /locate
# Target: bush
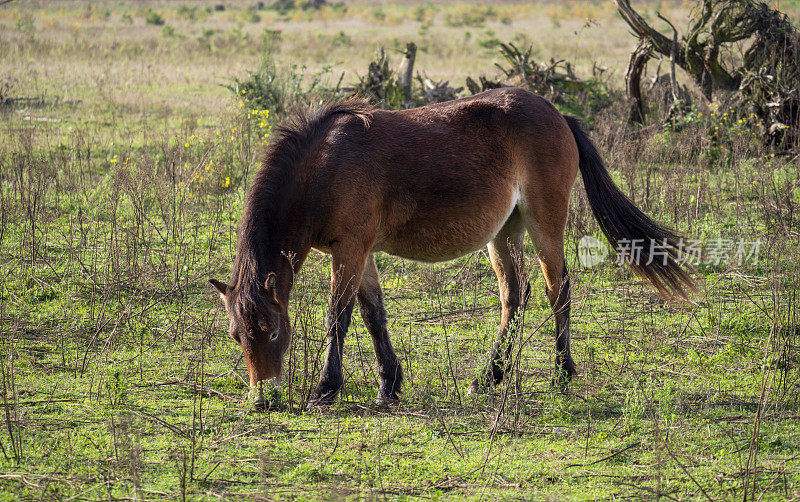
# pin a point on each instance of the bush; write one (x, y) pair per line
(154, 18)
(271, 88)
(188, 13)
(168, 31)
(471, 15)
(489, 41)
(342, 39)
(205, 38)
(287, 5)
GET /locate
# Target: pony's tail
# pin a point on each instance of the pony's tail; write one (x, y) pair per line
(650, 249)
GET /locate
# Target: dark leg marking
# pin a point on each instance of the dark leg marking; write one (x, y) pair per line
(565, 366)
(331, 380)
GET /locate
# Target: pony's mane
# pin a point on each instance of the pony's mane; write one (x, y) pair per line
(266, 201)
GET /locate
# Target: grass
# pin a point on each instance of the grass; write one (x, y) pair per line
(123, 163)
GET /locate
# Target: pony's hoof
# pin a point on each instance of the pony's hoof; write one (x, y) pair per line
(561, 380)
(477, 387)
(386, 401)
(559, 384)
(564, 371)
(322, 402)
(324, 396)
(319, 405)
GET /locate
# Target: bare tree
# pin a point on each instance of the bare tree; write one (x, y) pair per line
(766, 78)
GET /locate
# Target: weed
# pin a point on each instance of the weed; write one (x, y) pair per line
(154, 18)
(169, 32)
(474, 16)
(274, 89)
(188, 13)
(342, 39)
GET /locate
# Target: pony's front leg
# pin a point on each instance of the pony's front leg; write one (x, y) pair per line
(345, 279)
(370, 303)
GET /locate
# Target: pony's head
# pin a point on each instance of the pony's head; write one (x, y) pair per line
(259, 323)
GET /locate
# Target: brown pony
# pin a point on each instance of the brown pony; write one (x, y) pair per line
(429, 184)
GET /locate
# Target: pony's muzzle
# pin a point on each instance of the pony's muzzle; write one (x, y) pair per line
(265, 394)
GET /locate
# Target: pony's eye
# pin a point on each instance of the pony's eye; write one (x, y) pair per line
(273, 336)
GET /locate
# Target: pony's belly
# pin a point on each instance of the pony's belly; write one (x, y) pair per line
(432, 251)
(432, 240)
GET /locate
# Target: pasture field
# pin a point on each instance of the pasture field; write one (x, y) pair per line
(123, 165)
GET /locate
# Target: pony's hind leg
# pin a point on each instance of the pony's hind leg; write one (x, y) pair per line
(370, 304)
(505, 253)
(558, 292)
(548, 241)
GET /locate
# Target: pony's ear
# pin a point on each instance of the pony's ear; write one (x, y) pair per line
(269, 285)
(221, 286)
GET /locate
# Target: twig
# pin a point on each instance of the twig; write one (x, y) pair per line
(645, 488)
(632, 445)
(449, 437)
(671, 454)
(164, 423)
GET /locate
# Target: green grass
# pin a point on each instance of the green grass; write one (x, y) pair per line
(122, 185)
